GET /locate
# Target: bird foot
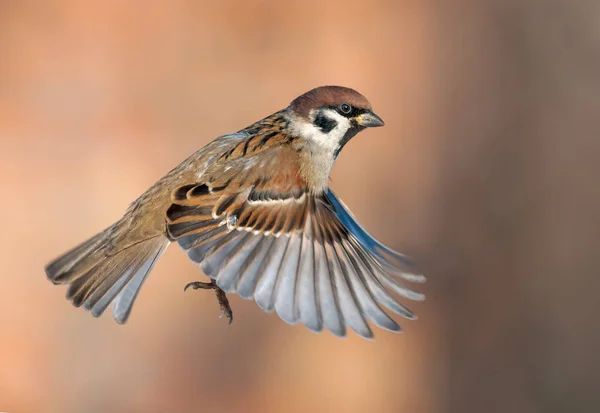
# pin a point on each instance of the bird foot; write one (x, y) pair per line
(221, 296)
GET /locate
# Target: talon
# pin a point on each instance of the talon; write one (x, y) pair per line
(199, 285)
(221, 296)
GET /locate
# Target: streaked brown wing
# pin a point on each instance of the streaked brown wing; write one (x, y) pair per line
(287, 250)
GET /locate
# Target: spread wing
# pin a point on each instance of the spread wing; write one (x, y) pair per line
(302, 255)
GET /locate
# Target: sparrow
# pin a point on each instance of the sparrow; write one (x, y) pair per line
(254, 210)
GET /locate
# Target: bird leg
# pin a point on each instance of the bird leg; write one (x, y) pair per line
(221, 296)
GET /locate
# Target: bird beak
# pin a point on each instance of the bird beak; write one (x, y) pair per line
(369, 120)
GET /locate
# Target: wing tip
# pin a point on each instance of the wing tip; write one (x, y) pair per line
(415, 278)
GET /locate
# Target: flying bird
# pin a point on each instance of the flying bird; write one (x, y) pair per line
(254, 210)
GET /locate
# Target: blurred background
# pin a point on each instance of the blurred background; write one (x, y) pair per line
(487, 172)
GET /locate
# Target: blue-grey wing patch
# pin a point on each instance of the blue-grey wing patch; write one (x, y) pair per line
(385, 255)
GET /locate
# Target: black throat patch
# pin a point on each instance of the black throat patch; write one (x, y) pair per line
(349, 135)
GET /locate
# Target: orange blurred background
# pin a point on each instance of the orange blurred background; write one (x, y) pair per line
(486, 172)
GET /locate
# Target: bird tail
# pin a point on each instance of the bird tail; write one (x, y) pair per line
(98, 273)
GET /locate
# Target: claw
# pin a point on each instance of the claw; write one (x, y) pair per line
(200, 285)
(221, 297)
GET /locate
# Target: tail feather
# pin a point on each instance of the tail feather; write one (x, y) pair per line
(124, 302)
(99, 274)
(100, 277)
(74, 263)
(114, 282)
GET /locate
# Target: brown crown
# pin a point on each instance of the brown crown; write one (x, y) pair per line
(328, 96)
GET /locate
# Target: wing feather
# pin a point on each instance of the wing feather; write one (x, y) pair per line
(325, 294)
(265, 289)
(379, 251)
(286, 286)
(232, 271)
(222, 250)
(364, 296)
(348, 308)
(251, 272)
(306, 302)
(373, 283)
(304, 256)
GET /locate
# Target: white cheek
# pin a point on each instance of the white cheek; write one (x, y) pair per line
(326, 141)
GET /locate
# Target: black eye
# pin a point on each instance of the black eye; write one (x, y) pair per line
(345, 108)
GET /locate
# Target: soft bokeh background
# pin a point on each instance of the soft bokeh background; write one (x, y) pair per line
(487, 172)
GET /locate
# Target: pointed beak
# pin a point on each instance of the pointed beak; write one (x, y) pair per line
(369, 120)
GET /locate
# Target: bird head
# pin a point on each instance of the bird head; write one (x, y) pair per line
(329, 116)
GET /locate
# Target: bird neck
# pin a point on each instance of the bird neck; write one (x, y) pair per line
(315, 163)
(317, 150)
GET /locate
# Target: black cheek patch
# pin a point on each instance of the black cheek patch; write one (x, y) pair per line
(324, 123)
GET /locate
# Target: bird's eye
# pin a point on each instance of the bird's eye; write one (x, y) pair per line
(345, 108)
